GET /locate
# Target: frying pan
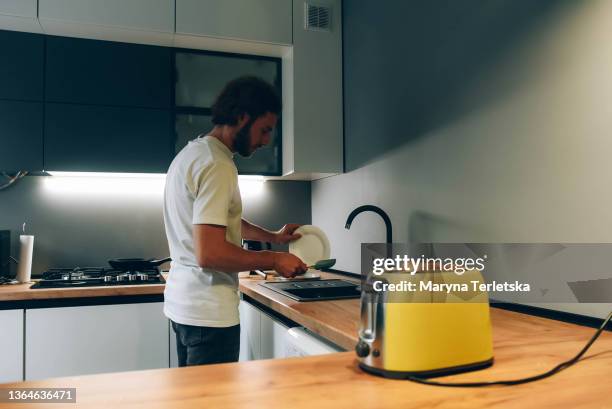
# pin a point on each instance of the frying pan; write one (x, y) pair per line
(136, 264)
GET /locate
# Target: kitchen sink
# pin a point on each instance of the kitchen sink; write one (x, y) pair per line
(319, 290)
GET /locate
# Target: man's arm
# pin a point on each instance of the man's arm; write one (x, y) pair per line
(213, 251)
(251, 231)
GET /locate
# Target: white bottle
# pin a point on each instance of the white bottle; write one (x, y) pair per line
(24, 271)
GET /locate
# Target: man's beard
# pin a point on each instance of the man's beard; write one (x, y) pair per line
(242, 141)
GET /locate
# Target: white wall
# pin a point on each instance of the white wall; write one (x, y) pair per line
(525, 158)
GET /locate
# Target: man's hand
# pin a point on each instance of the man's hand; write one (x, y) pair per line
(286, 234)
(288, 265)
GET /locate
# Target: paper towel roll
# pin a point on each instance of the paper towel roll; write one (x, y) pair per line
(24, 271)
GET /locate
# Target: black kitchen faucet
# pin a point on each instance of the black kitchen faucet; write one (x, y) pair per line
(377, 210)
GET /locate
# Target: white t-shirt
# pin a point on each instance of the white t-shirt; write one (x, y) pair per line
(201, 188)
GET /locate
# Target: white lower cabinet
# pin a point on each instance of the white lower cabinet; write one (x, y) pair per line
(250, 332)
(261, 335)
(273, 337)
(301, 342)
(11, 345)
(95, 339)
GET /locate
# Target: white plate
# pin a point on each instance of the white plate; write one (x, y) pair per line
(312, 246)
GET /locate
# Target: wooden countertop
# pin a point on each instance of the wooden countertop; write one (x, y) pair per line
(22, 292)
(337, 320)
(334, 320)
(524, 345)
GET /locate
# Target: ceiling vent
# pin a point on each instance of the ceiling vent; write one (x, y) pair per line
(317, 18)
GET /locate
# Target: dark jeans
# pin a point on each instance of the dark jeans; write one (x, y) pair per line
(206, 345)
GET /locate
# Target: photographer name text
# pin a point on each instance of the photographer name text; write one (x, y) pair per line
(430, 286)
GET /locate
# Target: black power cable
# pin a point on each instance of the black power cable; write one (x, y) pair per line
(556, 369)
(11, 179)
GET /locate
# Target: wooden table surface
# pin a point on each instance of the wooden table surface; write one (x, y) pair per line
(524, 345)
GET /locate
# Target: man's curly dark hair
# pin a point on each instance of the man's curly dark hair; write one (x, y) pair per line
(245, 95)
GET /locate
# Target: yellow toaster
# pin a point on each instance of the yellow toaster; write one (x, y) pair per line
(425, 332)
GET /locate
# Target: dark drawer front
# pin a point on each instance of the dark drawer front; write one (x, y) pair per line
(108, 73)
(107, 139)
(21, 66)
(21, 137)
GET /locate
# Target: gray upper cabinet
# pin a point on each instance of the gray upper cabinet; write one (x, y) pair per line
(312, 141)
(88, 138)
(21, 70)
(153, 15)
(200, 77)
(267, 21)
(108, 107)
(21, 8)
(108, 73)
(21, 136)
(19, 15)
(21, 95)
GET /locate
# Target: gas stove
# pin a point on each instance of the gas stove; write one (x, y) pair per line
(97, 276)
